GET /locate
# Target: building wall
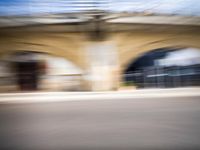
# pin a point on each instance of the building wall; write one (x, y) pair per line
(128, 45)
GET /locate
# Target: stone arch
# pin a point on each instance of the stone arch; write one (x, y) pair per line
(57, 67)
(65, 46)
(163, 61)
(130, 55)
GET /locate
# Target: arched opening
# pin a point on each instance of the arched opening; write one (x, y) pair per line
(41, 71)
(164, 68)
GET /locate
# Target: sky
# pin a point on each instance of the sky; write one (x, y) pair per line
(26, 7)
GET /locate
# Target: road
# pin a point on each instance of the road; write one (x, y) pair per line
(122, 124)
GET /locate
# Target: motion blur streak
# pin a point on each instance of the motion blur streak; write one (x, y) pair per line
(105, 75)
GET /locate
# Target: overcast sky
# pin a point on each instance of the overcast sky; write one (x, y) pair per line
(182, 7)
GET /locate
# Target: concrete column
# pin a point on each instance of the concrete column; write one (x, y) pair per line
(102, 66)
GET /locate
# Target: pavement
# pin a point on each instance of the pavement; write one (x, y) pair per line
(157, 119)
(102, 123)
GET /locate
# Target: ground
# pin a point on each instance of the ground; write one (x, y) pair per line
(108, 124)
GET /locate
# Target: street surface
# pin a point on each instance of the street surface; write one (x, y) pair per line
(118, 124)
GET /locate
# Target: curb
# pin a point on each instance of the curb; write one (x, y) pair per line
(37, 97)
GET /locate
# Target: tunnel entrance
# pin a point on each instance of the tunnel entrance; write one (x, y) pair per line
(165, 68)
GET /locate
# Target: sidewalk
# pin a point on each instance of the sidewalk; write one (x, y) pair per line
(33, 97)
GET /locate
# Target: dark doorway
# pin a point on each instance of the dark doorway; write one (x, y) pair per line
(27, 75)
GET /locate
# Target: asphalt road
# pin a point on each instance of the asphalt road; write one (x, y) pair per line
(143, 123)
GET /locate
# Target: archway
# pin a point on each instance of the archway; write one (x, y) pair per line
(165, 67)
(42, 71)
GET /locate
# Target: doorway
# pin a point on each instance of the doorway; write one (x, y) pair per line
(27, 75)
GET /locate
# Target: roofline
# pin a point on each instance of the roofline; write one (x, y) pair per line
(109, 18)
